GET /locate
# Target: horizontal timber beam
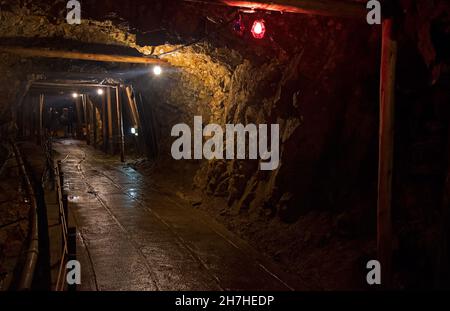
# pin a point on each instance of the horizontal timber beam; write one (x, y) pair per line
(34, 52)
(337, 8)
(53, 84)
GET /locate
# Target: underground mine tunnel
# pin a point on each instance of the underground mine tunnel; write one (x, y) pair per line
(224, 145)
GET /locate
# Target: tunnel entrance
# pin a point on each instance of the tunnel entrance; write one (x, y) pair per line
(106, 116)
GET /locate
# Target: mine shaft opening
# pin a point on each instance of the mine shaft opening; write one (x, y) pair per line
(105, 116)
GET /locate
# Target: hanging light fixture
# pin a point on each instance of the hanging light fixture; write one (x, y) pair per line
(157, 70)
(258, 29)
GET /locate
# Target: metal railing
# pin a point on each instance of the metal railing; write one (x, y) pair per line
(68, 233)
(26, 277)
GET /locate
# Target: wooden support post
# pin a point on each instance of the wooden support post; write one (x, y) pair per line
(104, 125)
(30, 117)
(79, 110)
(18, 111)
(26, 118)
(133, 107)
(386, 149)
(136, 119)
(20, 120)
(86, 119)
(121, 138)
(94, 123)
(110, 121)
(41, 113)
(36, 120)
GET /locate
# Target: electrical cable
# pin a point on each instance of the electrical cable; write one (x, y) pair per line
(200, 39)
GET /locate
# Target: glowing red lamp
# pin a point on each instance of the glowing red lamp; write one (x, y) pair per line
(258, 29)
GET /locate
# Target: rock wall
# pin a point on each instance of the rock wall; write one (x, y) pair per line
(304, 92)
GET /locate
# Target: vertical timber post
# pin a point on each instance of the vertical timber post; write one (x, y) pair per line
(110, 123)
(386, 149)
(41, 112)
(36, 120)
(104, 125)
(79, 110)
(135, 115)
(86, 118)
(121, 139)
(94, 123)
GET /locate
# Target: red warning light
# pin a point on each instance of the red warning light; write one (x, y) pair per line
(258, 29)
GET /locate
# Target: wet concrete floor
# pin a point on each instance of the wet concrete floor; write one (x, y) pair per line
(132, 235)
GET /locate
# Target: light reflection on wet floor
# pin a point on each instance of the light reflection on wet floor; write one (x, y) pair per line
(133, 237)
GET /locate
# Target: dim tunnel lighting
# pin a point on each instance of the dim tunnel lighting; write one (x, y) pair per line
(100, 91)
(258, 29)
(134, 131)
(157, 70)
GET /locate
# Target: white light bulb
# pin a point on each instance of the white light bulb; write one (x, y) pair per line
(157, 70)
(100, 91)
(74, 95)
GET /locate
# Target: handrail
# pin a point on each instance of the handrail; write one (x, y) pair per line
(62, 204)
(27, 274)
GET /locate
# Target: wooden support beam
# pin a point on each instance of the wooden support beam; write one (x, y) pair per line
(35, 118)
(121, 138)
(59, 85)
(79, 110)
(86, 119)
(17, 110)
(94, 122)
(133, 107)
(386, 149)
(104, 125)
(337, 8)
(40, 116)
(34, 52)
(140, 140)
(110, 124)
